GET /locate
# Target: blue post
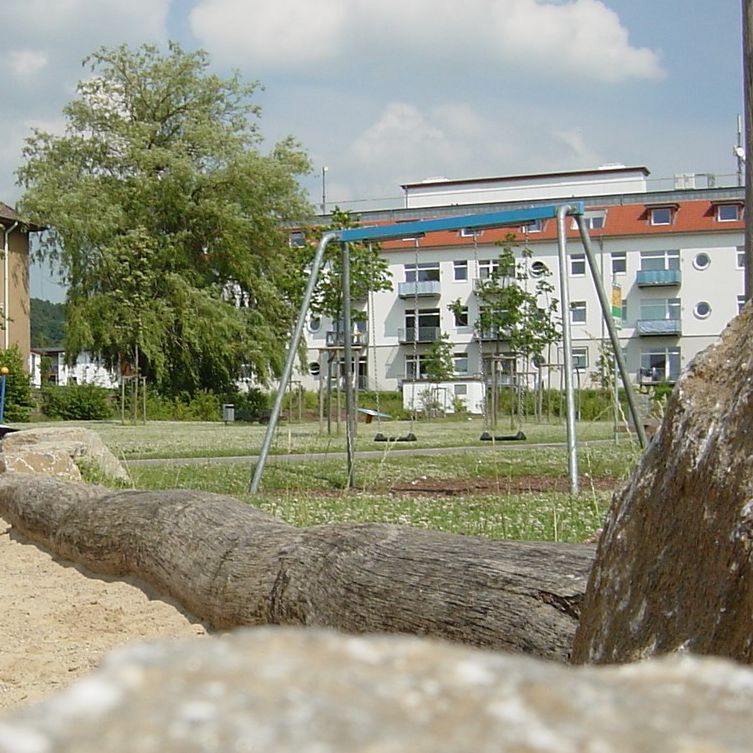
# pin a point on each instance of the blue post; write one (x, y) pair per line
(3, 378)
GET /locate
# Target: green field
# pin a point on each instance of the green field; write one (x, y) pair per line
(516, 490)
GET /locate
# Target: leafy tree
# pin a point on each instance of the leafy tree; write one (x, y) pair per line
(516, 309)
(167, 220)
(438, 361)
(18, 397)
(369, 272)
(47, 323)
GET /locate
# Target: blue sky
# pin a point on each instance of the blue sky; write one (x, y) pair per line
(388, 91)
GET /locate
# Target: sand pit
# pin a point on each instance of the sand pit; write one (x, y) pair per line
(58, 620)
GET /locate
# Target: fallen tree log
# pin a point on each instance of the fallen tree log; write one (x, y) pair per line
(231, 564)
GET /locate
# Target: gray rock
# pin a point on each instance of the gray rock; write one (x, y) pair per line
(312, 691)
(673, 567)
(59, 451)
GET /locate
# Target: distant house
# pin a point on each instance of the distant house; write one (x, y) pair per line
(87, 369)
(14, 280)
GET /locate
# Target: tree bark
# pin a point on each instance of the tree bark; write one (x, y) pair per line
(231, 564)
(747, 13)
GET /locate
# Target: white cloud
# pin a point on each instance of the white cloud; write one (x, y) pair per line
(575, 38)
(27, 62)
(284, 33)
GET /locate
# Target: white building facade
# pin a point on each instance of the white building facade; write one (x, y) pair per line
(674, 260)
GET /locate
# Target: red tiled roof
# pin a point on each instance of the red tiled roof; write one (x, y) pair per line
(621, 220)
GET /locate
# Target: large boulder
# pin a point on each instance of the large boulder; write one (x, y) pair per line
(311, 691)
(61, 452)
(673, 568)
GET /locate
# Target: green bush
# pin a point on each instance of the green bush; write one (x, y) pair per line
(19, 400)
(252, 405)
(203, 406)
(77, 402)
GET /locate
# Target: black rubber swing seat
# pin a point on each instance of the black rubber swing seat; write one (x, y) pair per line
(486, 437)
(410, 437)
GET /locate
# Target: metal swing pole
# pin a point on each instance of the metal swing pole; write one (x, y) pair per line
(606, 311)
(350, 410)
(572, 457)
(316, 265)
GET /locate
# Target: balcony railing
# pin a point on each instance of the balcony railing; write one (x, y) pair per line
(492, 333)
(500, 282)
(658, 327)
(647, 278)
(421, 289)
(336, 339)
(422, 335)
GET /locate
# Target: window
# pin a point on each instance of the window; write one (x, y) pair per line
(591, 220)
(428, 325)
(652, 261)
(461, 317)
(619, 262)
(702, 309)
(315, 324)
(297, 239)
(661, 215)
(578, 312)
(580, 358)
(624, 310)
(660, 364)
(741, 257)
(487, 267)
(539, 269)
(740, 303)
(702, 261)
(410, 366)
(461, 389)
(314, 368)
(460, 363)
(577, 265)
(535, 226)
(728, 213)
(469, 232)
(427, 272)
(460, 269)
(660, 309)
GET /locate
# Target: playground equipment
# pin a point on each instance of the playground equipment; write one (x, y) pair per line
(460, 222)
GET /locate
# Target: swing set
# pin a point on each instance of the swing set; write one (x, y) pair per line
(419, 228)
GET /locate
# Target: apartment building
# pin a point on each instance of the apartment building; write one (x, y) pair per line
(672, 260)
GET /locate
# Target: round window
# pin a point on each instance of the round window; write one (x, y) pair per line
(702, 260)
(315, 324)
(314, 368)
(538, 268)
(702, 309)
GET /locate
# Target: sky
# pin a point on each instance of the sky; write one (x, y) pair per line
(384, 92)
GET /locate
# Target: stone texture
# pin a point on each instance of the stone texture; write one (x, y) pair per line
(311, 691)
(59, 451)
(673, 568)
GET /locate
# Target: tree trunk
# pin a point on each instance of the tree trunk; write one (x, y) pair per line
(231, 564)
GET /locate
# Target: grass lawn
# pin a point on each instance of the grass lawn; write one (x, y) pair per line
(508, 490)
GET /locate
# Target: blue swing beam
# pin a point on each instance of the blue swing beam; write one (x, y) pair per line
(419, 228)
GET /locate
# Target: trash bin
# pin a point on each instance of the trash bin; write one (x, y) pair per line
(228, 412)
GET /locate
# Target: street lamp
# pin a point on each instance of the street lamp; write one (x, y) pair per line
(324, 189)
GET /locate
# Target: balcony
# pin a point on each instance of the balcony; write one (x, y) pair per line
(492, 334)
(648, 278)
(658, 327)
(500, 282)
(421, 289)
(424, 335)
(336, 339)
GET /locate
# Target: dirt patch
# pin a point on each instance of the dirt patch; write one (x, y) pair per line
(513, 485)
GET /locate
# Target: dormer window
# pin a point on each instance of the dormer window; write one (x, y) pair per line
(534, 226)
(728, 212)
(661, 215)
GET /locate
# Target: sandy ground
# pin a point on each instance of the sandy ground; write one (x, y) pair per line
(57, 620)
